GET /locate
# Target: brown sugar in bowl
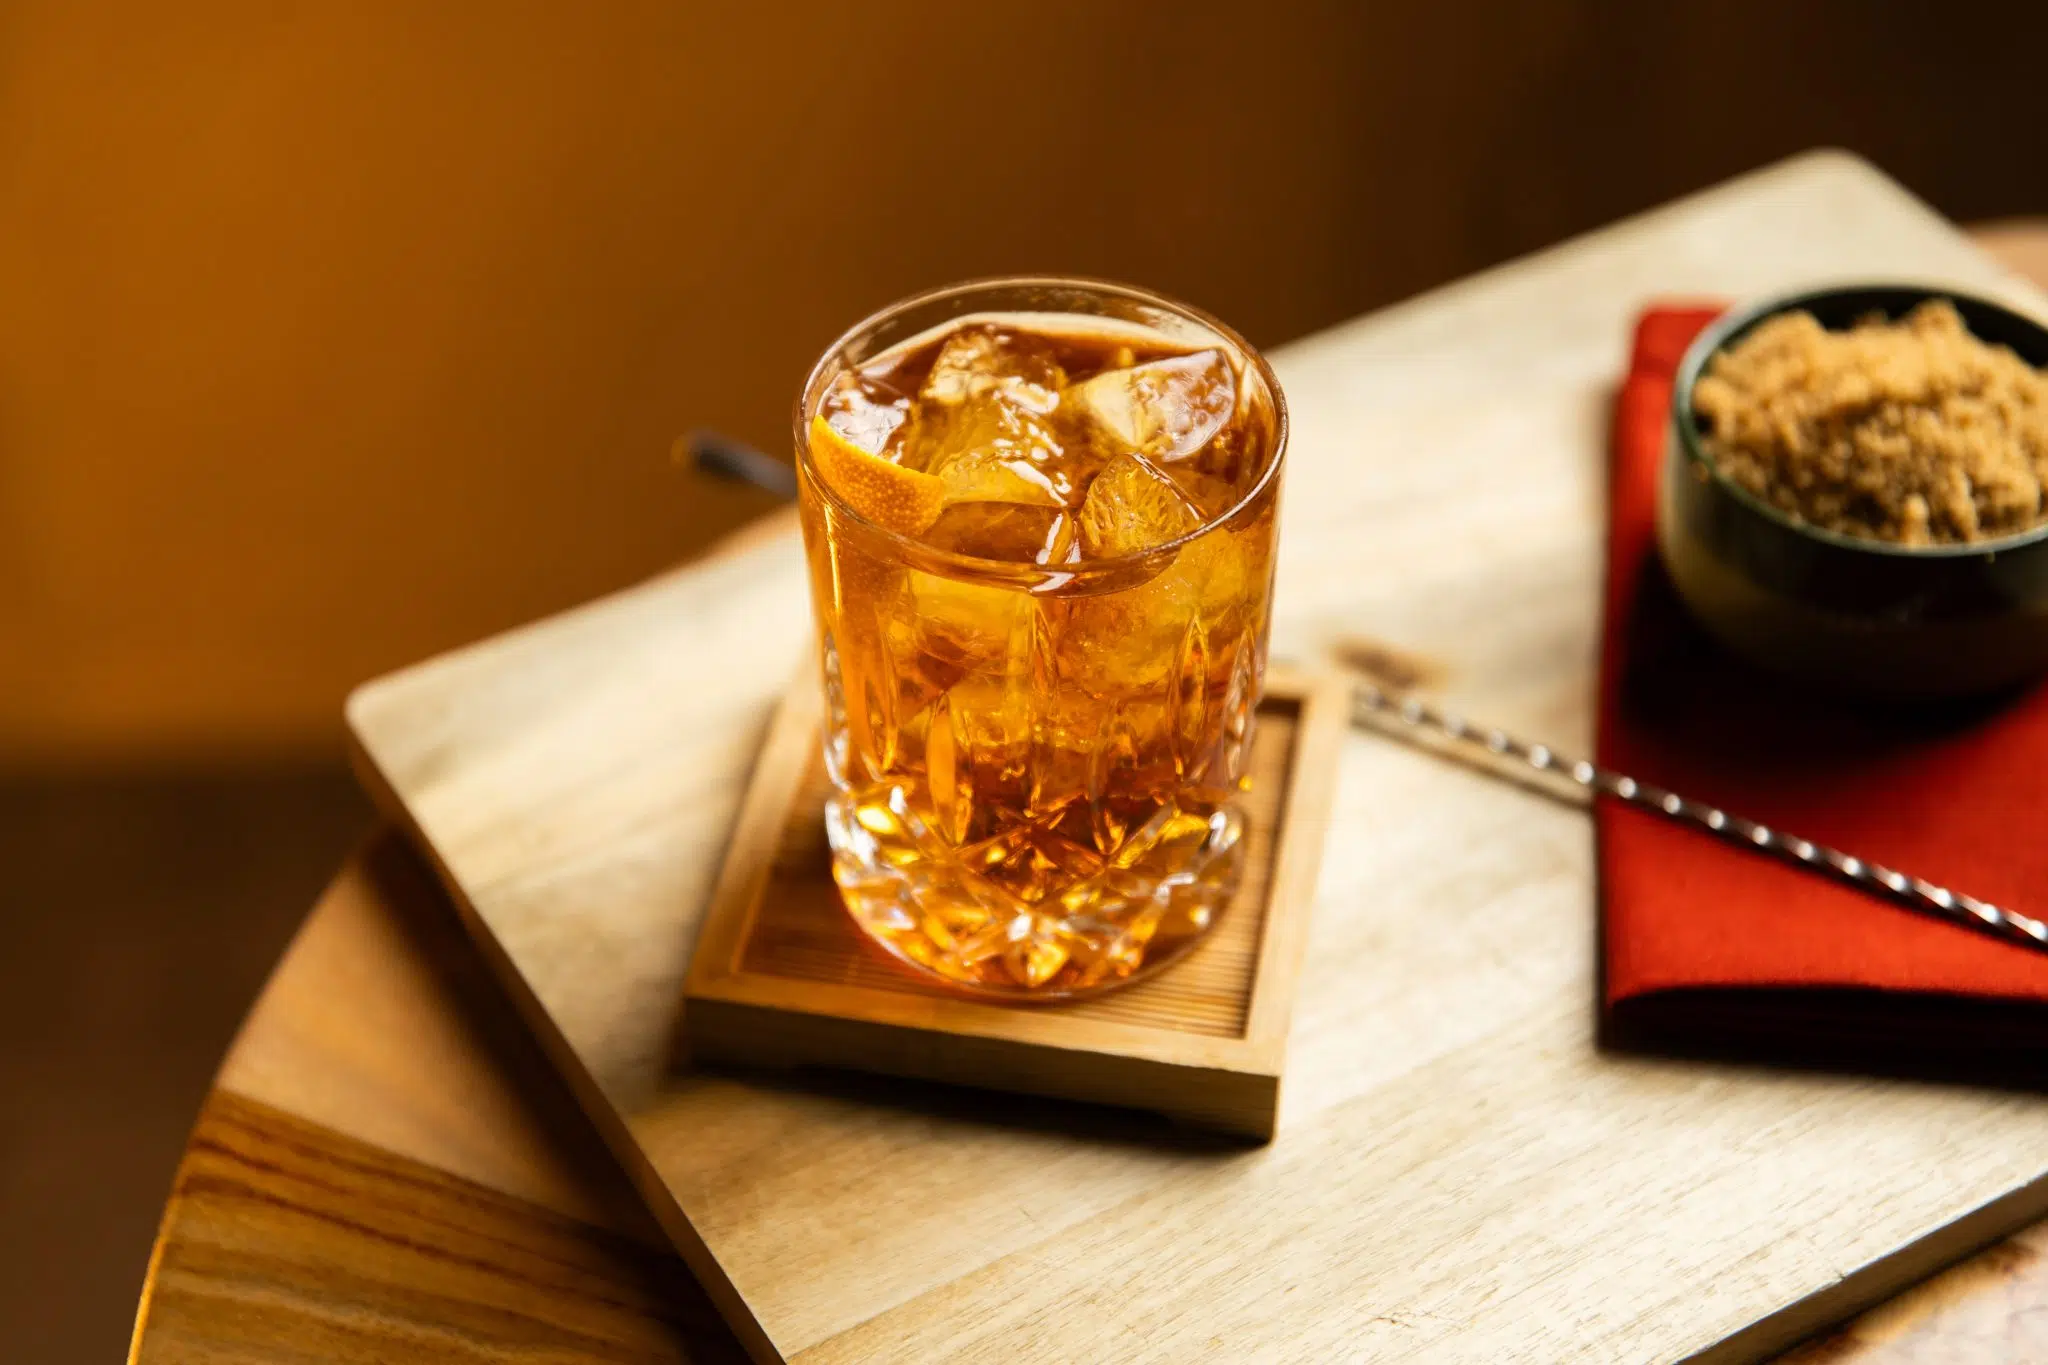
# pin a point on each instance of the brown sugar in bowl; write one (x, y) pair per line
(1876, 617)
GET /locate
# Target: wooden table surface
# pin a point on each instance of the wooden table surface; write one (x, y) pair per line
(387, 1170)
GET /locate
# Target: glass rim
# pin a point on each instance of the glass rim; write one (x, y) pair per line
(1008, 568)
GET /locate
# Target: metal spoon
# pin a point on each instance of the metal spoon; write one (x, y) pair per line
(1371, 704)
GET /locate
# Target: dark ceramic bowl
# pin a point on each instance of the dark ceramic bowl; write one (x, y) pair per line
(1864, 616)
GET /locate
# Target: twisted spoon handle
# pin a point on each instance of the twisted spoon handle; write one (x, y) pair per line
(1370, 702)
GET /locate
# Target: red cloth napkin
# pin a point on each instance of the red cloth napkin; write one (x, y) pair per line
(1703, 942)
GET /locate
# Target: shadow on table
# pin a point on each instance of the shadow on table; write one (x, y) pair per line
(1931, 1039)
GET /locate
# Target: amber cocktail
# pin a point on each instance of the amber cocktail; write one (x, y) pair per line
(1039, 515)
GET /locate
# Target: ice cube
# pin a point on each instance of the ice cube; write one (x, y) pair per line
(982, 358)
(1166, 410)
(957, 623)
(1004, 469)
(1117, 642)
(983, 422)
(1212, 496)
(1001, 530)
(866, 409)
(1132, 506)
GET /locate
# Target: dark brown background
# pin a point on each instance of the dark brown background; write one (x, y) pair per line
(340, 333)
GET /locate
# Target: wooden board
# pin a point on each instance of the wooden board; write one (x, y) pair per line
(388, 1173)
(379, 1046)
(481, 1214)
(781, 977)
(1460, 1174)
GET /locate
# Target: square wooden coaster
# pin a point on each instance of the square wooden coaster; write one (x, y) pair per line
(782, 977)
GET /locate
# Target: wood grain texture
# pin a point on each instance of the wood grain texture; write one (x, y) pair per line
(383, 935)
(1989, 1308)
(780, 977)
(295, 1243)
(1460, 1174)
(142, 911)
(380, 1022)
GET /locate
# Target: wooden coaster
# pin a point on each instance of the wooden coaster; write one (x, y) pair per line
(782, 977)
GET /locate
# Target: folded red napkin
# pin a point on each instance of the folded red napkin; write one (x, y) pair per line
(1706, 944)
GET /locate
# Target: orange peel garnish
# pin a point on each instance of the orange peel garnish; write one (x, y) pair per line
(890, 495)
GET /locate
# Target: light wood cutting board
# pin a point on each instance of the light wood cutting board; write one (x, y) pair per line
(1459, 1174)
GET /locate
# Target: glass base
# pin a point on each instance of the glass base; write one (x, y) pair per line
(1029, 915)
